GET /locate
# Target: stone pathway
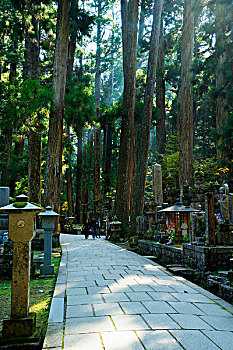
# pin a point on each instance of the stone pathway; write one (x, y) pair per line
(109, 298)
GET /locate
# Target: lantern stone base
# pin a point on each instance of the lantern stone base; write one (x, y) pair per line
(19, 327)
(47, 270)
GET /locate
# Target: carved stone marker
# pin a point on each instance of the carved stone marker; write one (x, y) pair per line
(157, 183)
(210, 218)
(21, 231)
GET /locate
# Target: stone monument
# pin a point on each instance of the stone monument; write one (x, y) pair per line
(4, 200)
(157, 183)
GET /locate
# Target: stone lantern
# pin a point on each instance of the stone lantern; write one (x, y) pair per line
(47, 224)
(115, 228)
(22, 228)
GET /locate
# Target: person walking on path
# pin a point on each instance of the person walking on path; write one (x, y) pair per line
(93, 227)
(98, 227)
(86, 229)
(108, 228)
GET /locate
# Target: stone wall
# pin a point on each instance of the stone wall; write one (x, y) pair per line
(198, 257)
(169, 254)
(207, 258)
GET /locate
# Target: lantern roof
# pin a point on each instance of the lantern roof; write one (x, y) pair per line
(177, 208)
(48, 212)
(20, 203)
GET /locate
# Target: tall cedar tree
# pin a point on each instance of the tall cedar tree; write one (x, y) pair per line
(185, 127)
(34, 137)
(54, 156)
(70, 66)
(141, 169)
(160, 97)
(129, 14)
(97, 137)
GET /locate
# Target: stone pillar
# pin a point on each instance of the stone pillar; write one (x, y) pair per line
(210, 218)
(157, 183)
(4, 196)
(231, 207)
(47, 268)
(4, 200)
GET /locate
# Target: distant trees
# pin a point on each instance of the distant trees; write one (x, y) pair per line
(166, 81)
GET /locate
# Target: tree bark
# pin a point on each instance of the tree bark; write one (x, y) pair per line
(79, 180)
(34, 166)
(160, 98)
(141, 29)
(34, 137)
(141, 169)
(221, 112)
(70, 66)
(97, 136)
(54, 156)
(129, 13)
(186, 97)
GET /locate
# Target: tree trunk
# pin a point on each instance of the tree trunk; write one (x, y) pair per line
(34, 166)
(18, 152)
(70, 66)
(129, 12)
(73, 37)
(54, 156)
(221, 112)
(97, 104)
(141, 29)
(186, 97)
(89, 179)
(141, 170)
(160, 98)
(79, 181)
(34, 137)
(97, 169)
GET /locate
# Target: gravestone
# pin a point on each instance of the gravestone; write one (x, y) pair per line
(231, 207)
(157, 183)
(210, 218)
(4, 200)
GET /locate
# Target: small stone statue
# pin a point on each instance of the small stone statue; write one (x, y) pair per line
(224, 202)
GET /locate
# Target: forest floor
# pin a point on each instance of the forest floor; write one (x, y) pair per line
(41, 293)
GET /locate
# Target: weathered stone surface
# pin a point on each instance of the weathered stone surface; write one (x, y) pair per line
(19, 327)
(4, 196)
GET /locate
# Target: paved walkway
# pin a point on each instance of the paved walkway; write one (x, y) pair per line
(109, 298)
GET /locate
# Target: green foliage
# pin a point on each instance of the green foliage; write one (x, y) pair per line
(79, 103)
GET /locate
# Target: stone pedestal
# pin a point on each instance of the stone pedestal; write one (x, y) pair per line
(20, 327)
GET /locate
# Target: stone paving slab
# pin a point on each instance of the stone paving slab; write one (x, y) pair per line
(158, 340)
(89, 325)
(56, 310)
(53, 336)
(82, 342)
(193, 340)
(223, 339)
(121, 340)
(116, 299)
